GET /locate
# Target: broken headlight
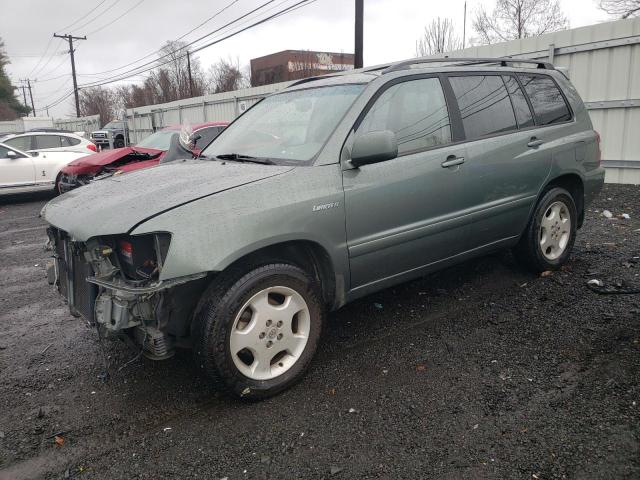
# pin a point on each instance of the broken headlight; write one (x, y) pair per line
(141, 256)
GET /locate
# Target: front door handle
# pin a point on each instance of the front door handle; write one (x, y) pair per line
(534, 142)
(452, 161)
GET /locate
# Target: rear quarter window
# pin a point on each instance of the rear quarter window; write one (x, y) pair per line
(484, 105)
(69, 141)
(549, 106)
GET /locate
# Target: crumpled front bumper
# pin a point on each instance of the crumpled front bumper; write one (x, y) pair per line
(70, 181)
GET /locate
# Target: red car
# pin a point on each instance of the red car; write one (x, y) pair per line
(145, 154)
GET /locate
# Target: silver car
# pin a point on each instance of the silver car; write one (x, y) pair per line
(329, 190)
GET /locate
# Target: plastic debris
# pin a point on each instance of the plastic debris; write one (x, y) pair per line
(626, 216)
(353, 410)
(378, 306)
(607, 214)
(166, 429)
(335, 470)
(594, 282)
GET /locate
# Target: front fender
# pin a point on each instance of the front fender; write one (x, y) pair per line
(306, 203)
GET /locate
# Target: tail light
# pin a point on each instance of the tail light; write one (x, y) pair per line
(598, 149)
(126, 251)
(92, 147)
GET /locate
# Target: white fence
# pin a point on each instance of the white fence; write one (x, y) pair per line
(81, 124)
(25, 123)
(219, 107)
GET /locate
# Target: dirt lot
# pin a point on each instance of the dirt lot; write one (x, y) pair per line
(481, 371)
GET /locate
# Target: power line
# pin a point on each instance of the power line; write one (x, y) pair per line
(198, 39)
(155, 64)
(137, 70)
(99, 15)
(115, 19)
(82, 17)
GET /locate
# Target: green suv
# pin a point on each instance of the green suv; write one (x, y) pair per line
(334, 188)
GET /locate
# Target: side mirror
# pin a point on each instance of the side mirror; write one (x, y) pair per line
(374, 147)
(11, 154)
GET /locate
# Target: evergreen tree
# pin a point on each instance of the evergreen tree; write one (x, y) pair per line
(10, 107)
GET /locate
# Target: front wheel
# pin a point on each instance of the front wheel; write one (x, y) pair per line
(118, 143)
(549, 237)
(256, 335)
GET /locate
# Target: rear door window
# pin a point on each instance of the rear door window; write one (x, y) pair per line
(415, 111)
(21, 143)
(47, 141)
(520, 105)
(548, 103)
(484, 105)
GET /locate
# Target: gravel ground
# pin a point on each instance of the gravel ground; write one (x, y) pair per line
(480, 371)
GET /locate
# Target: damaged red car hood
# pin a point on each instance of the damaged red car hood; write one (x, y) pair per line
(93, 163)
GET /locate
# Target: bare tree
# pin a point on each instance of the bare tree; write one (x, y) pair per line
(225, 76)
(438, 37)
(98, 101)
(621, 8)
(513, 19)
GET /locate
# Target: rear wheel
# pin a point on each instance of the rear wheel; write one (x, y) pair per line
(118, 143)
(256, 335)
(549, 237)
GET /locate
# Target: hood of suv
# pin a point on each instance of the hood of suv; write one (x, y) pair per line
(94, 163)
(116, 204)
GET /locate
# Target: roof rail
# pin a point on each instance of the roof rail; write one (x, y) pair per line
(503, 61)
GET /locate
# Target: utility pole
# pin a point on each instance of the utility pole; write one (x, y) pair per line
(189, 68)
(358, 63)
(71, 38)
(464, 26)
(24, 95)
(33, 107)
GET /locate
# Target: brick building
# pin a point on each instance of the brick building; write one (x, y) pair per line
(297, 64)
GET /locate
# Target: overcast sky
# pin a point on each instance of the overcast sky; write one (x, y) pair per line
(391, 28)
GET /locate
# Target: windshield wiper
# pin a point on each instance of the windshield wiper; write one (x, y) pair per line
(237, 157)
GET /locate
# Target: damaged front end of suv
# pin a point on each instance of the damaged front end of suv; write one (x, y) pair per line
(114, 283)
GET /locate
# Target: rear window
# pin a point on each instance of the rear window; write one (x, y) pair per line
(548, 103)
(484, 105)
(47, 141)
(207, 135)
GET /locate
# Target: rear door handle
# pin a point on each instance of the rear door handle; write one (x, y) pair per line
(452, 161)
(534, 142)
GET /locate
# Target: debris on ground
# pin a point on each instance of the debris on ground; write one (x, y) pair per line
(546, 273)
(59, 440)
(594, 282)
(607, 214)
(335, 470)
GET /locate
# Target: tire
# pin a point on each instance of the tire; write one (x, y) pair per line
(270, 309)
(551, 232)
(118, 143)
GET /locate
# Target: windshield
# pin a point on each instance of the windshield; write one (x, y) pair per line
(113, 125)
(291, 126)
(159, 140)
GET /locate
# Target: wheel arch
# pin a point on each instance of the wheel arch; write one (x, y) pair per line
(574, 184)
(305, 254)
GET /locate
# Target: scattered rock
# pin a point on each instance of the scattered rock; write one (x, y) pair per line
(353, 410)
(607, 214)
(335, 470)
(546, 273)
